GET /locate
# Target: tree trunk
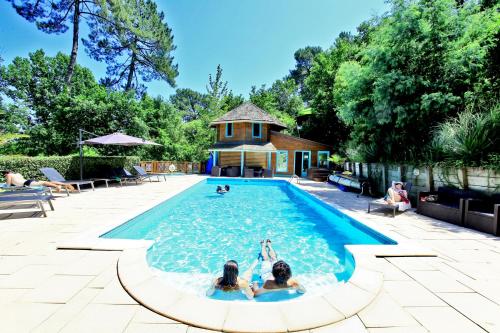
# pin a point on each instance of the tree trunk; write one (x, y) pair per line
(130, 73)
(74, 48)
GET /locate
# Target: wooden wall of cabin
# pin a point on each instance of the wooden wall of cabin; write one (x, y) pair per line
(242, 132)
(291, 145)
(234, 159)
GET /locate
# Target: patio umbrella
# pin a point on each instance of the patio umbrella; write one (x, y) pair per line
(117, 139)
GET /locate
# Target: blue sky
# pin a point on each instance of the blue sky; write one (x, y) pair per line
(253, 40)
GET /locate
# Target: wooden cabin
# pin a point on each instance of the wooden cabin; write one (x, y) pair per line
(248, 137)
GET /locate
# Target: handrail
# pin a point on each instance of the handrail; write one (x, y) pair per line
(293, 177)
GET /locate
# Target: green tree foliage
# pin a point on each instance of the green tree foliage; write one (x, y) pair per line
(303, 62)
(189, 103)
(134, 41)
(324, 124)
(421, 65)
(280, 100)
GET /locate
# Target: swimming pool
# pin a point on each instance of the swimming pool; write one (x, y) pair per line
(195, 232)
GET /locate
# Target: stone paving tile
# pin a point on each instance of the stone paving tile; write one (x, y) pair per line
(29, 276)
(103, 279)
(391, 272)
(384, 312)
(94, 263)
(350, 325)
(24, 317)
(474, 306)
(413, 263)
(98, 318)
(411, 293)
(67, 312)
(156, 328)
(146, 316)
(415, 329)
(192, 329)
(443, 319)
(57, 289)
(10, 295)
(437, 281)
(114, 293)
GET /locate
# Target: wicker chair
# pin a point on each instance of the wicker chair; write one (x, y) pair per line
(216, 171)
(449, 207)
(249, 173)
(483, 215)
(267, 173)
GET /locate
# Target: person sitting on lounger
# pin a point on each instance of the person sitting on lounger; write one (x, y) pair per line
(396, 194)
(275, 274)
(16, 179)
(222, 190)
(229, 281)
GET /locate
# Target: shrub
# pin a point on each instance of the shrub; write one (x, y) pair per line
(68, 166)
(469, 138)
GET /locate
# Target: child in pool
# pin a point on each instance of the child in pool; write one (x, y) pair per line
(230, 281)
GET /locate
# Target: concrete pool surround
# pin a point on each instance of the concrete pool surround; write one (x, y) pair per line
(339, 302)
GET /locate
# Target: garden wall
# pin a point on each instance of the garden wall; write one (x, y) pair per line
(426, 178)
(68, 166)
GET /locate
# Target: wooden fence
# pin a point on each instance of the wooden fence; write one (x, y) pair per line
(172, 167)
(426, 178)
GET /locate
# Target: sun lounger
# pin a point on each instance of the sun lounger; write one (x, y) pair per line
(27, 189)
(142, 173)
(38, 199)
(125, 175)
(53, 175)
(398, 206)
(107, 180)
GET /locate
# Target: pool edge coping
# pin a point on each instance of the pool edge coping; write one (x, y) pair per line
(141, 283)
(137, 278)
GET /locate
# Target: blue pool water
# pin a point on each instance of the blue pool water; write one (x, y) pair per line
(198, 230)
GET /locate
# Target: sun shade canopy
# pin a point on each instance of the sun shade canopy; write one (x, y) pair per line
(119, 139)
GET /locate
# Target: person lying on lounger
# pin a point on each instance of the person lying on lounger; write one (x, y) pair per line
(16, 179)
(396, 194)
(230, 281)
(276, 274)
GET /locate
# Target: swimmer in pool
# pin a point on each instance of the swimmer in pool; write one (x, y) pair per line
(221, 190)
(276, 274)
(230, 281)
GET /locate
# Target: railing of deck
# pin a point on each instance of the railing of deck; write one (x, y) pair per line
(172, 167)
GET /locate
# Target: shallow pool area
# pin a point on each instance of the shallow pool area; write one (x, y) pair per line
(196, 231)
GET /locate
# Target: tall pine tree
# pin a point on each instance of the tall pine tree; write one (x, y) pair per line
(135, 42)
(56, 16)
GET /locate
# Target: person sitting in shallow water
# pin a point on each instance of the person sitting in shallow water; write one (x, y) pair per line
(276, 274)
(230, 281)
(222, 190)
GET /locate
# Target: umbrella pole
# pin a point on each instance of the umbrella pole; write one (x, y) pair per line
(81, 152)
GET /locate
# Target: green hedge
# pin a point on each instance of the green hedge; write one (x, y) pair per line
(68, 166)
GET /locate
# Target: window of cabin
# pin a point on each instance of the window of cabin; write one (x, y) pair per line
(282, 161)
(256, 130)
(229, 130)
(323, 156)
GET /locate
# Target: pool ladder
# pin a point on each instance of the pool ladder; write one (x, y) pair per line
(294, 177)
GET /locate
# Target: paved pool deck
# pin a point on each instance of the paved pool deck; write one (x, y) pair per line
(43, 289)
